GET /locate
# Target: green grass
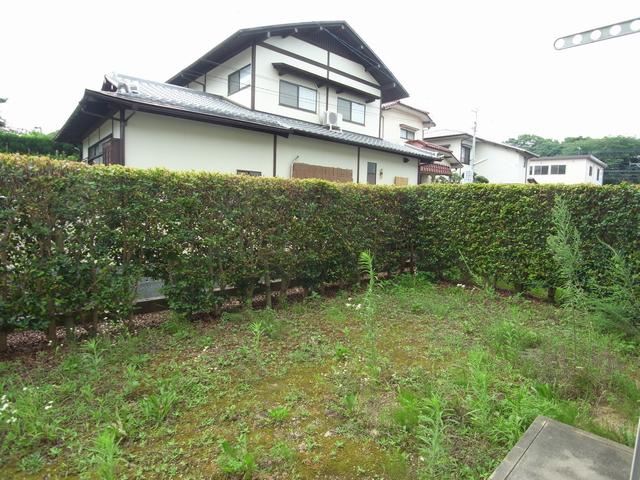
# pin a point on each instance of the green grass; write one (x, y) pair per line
(459, 375)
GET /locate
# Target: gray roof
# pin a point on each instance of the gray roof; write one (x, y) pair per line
(170, 99)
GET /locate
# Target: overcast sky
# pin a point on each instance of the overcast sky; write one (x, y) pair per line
(452, 56)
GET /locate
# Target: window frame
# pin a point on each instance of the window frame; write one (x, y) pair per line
(412, 132)
(249, 173)
(374, 173)
(241, 87)
(561, 170)
(591, 170)
(102, 141)
(298, 87)
(351, 102)
(597, 174)
(541, 169)
(464, 147)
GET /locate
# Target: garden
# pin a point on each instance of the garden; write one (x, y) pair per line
(323, 331)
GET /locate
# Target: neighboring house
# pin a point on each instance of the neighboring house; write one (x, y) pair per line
(498, 162)
(566, 169)
(296, 100)
(404, 124)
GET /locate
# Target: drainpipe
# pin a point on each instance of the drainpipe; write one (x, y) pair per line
(122, 124)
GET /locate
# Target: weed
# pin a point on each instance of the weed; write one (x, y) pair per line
(106, 455)
(32, 463)
(431, 434)
(350, 404)
(279, 414)
(341, 353)
(236, 459)
(368, 314)
(282, 452)
(157, 407)
(407, 413)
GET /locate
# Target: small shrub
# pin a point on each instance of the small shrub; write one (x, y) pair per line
(105, 455)
(341, 352)
(32, 463)
(282, 452)
(407, 413)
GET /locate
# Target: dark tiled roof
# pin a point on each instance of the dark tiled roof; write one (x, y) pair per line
(180, 99)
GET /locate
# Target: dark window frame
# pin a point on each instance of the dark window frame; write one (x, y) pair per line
(560, 170)
(591, 170)
(372, 176)
(408, 137)
(250, 173)
(541, 170)
(298, 86)
(91, 159)
(351, 102)
(597, 174)
(240, 86)
(464, 148)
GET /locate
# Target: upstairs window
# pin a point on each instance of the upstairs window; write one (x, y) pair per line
(240, 79)
(297, 96)
(351, 111)
(465, 154)
(407, 134)
(541, 170)
(558, 169)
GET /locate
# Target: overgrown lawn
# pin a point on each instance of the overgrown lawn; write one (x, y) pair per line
(415, 380)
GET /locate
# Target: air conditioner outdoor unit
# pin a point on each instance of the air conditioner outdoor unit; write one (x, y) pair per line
(333, 120)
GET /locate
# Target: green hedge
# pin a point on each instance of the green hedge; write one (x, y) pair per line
(36, 144)
(75, 239)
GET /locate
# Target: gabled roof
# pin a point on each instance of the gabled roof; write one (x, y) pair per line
(401, 105)
(443, 134)
(335, 36)
(157, 97)
(587, 156)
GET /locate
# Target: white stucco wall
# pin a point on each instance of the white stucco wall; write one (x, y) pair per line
(577, 171)
(178, 144)
(499, 164)
(217, 80)
(313, 152)
(390, 165)
(393, 118)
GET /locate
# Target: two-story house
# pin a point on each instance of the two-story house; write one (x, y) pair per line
(291, 101)
(402, 123)
(498, 162)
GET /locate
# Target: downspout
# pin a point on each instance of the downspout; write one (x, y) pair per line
(122, 124)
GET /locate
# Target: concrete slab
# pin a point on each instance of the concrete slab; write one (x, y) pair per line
(551, 450)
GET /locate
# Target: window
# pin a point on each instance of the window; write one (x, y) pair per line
(590, 170)
(530, 170)
(372, 167)
(96, 150)
(407, 134)
(251, 173)
(240, 79)
(541, 170)
(558, 169)
(297, 96)
(465, 154)
(351, 111)
(597, 174)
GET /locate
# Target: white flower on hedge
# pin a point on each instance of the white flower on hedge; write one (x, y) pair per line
(358, 306)
(347, 305)
(48, 407)
(461, 285)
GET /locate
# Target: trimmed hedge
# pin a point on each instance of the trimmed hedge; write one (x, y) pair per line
(36, 144)
(74, 240)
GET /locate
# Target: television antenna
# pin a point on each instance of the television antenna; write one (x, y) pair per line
(599, 34)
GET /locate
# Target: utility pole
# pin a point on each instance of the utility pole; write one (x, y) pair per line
(468, 173)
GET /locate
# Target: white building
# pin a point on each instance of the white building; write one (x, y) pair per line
(498, 162)
(404, 124)
(566, 169)
(296, 100)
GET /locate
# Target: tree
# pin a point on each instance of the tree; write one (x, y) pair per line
(3, 122)
(545, 147)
